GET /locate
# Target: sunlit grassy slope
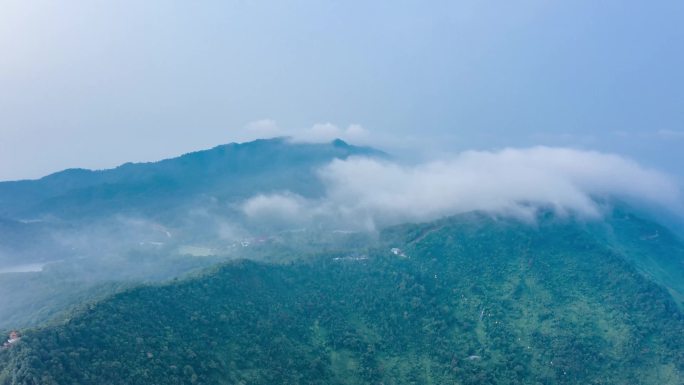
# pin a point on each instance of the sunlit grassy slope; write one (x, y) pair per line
(467, 300)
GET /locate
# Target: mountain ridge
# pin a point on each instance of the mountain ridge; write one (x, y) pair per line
(37, 197)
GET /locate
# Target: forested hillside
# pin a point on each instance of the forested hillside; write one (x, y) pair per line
(467, 300)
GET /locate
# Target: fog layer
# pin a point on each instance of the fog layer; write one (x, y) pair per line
(366, 193)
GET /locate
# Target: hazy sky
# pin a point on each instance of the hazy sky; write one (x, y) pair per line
(97, 83)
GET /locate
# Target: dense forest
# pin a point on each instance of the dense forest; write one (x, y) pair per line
(465, 300)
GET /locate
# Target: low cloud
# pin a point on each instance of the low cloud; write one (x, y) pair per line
(276, 207)
(326, 132)
(317, 133)
(367, 193)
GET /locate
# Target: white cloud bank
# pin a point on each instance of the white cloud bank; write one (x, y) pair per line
(364, 192)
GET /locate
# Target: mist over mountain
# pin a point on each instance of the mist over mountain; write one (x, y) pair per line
(227, 172)
(192, 194)
(155, 220)
(469, 299)
(341, 192)
(234, 191)
(363, 191)
(539, 239)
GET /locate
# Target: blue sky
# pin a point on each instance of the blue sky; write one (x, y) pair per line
(97, 83)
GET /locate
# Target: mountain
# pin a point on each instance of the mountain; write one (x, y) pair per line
(471, 299)
(80, 231)
(226, 172)
(36, 214)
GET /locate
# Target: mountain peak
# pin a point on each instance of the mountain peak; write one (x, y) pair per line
(339, 143)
